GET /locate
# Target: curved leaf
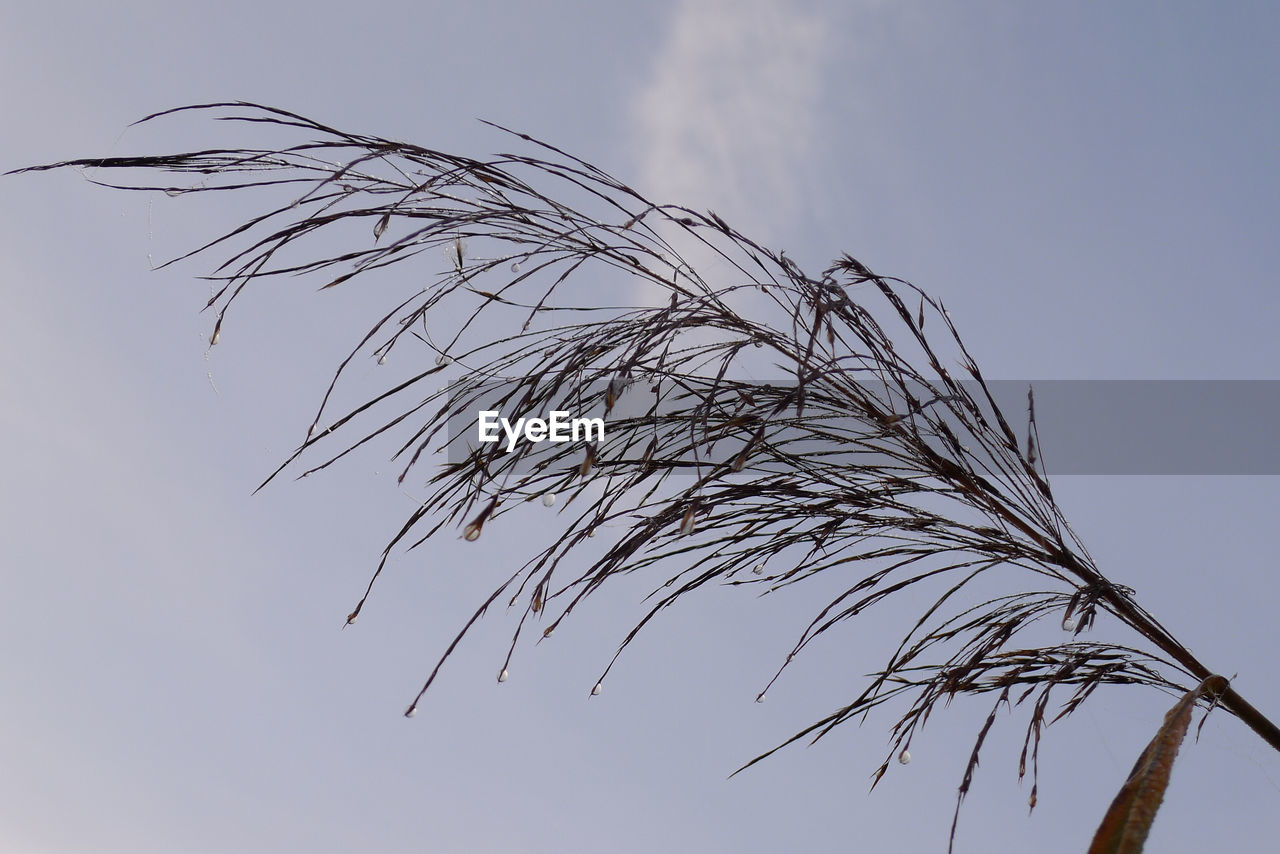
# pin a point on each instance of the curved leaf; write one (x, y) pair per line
(1125, 827)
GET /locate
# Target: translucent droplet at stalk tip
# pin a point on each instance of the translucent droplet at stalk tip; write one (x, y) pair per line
(549, 499)
(382, 360)
(502, 677)
(759, 569)
(411, 711)
(595, 691)
(904, 758)
(688, 522)
(515, 267)
(1068, 624)
(444, 360)
(760, 697)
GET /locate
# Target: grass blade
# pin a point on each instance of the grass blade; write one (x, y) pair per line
(1125, 827)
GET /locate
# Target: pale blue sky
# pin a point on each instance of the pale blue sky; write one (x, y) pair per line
(1093, 190)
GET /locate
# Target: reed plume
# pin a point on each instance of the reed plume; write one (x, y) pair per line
(879, 457)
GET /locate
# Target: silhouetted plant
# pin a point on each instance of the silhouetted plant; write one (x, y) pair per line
(884, 460)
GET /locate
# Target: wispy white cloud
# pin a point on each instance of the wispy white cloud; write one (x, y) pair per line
(730, 110)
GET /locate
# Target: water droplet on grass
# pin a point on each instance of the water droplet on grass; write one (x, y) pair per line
(687, 523)
(502, 677)
(904, 758)
(549, 499)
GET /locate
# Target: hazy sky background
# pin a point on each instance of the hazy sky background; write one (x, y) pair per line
(1092, 188)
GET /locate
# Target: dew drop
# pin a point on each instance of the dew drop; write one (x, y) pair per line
(760, 697)
(411, 711)
(904, 758)
(687, 523)
(471, 533)
(759, 569)
(382, 360)
(515, 267)
(549, 631)
(1068, 624)
(444, 360)
(213, 339)
(502, 677)
(351, 619)
(591, 532)
(595, 692)
(549, 499)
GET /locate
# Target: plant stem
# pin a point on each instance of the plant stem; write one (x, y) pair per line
(1230, 700)
(1143, 623)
